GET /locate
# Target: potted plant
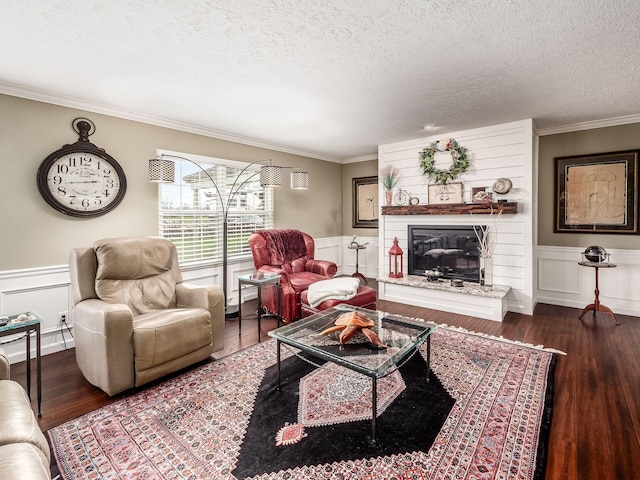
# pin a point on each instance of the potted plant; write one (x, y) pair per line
(389, 176)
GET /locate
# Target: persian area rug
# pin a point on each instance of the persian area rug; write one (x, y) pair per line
(484, 414)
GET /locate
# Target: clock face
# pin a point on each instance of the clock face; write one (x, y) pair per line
(82, 183)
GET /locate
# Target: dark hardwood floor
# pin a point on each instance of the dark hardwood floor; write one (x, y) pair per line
(595, 430)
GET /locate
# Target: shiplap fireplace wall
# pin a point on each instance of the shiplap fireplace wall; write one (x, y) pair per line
(507, 150)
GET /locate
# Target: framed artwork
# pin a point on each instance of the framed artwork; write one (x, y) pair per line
(481, 195)
(445, 193)
(597, 193)
(476, 190)
(365, 202)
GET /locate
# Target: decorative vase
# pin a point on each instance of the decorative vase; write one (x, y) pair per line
(486, 271)
(388, 195)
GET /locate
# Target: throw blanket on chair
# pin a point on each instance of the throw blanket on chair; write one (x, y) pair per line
(284, 245)
(343, 288)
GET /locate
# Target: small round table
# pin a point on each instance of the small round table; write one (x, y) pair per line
(357, 247)
(596, 306)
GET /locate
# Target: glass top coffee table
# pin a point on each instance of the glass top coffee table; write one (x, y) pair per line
(401, 335)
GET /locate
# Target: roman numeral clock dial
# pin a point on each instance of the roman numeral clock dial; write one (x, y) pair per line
(81, 179)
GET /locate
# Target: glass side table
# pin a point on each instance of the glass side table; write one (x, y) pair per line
(260, 280)
(29, 323)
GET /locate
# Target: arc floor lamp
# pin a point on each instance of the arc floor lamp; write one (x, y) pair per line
(162, 170)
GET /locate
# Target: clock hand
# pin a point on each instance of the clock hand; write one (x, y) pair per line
(88, 181)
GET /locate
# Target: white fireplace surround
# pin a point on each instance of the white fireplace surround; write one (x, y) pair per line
(507, 150)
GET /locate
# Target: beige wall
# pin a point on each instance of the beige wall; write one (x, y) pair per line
(600, 140)
(349, 172)
(35, 235)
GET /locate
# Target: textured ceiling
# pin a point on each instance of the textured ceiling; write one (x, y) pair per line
(331, 78)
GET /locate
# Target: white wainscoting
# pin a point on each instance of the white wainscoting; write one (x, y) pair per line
(562, 281)
(46, 291)
(330, 249)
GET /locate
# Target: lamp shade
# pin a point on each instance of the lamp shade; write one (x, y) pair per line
(270, 176)
(299, 180)
(161, 170)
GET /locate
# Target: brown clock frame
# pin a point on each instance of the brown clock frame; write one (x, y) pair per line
(80, 147)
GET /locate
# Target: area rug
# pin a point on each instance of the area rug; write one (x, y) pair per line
(484, 414)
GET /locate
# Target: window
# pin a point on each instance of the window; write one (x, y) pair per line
(191, 214)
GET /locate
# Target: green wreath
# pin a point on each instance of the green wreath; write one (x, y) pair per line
(459, 166)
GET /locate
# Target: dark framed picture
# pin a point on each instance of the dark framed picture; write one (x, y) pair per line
(597, 193)
(365, 202)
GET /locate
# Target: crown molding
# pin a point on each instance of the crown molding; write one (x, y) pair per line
(575, 127)
(104, 109)
(362, 158)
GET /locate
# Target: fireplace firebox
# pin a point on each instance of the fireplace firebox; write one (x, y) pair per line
(451, 250)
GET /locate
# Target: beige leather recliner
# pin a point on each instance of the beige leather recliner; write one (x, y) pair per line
(134, 318)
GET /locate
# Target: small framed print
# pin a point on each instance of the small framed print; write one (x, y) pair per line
(481, 195)
(445, 194)
(476, 190)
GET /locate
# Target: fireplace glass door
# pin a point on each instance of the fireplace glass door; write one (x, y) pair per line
(451, 250)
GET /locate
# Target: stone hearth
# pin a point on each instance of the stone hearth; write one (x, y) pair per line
(470, 299)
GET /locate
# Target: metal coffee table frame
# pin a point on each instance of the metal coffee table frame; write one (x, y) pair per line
(403, 335)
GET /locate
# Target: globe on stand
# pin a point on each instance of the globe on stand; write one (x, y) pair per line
(595, 254)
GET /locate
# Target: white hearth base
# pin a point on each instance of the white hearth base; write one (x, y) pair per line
(471, 299)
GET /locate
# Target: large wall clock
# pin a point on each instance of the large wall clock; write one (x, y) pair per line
(81, 179)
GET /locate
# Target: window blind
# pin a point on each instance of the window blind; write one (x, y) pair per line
(191, 214)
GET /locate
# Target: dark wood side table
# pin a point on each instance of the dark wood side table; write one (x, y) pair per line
(357, 247)
(30, 325)
(259, 280)
(596, 306)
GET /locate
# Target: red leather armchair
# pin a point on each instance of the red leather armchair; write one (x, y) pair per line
(291, 254)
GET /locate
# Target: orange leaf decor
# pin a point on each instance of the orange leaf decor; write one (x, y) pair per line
(354, 318)
(351, 322)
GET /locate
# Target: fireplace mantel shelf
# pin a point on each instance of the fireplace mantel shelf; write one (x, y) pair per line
(452, 209)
